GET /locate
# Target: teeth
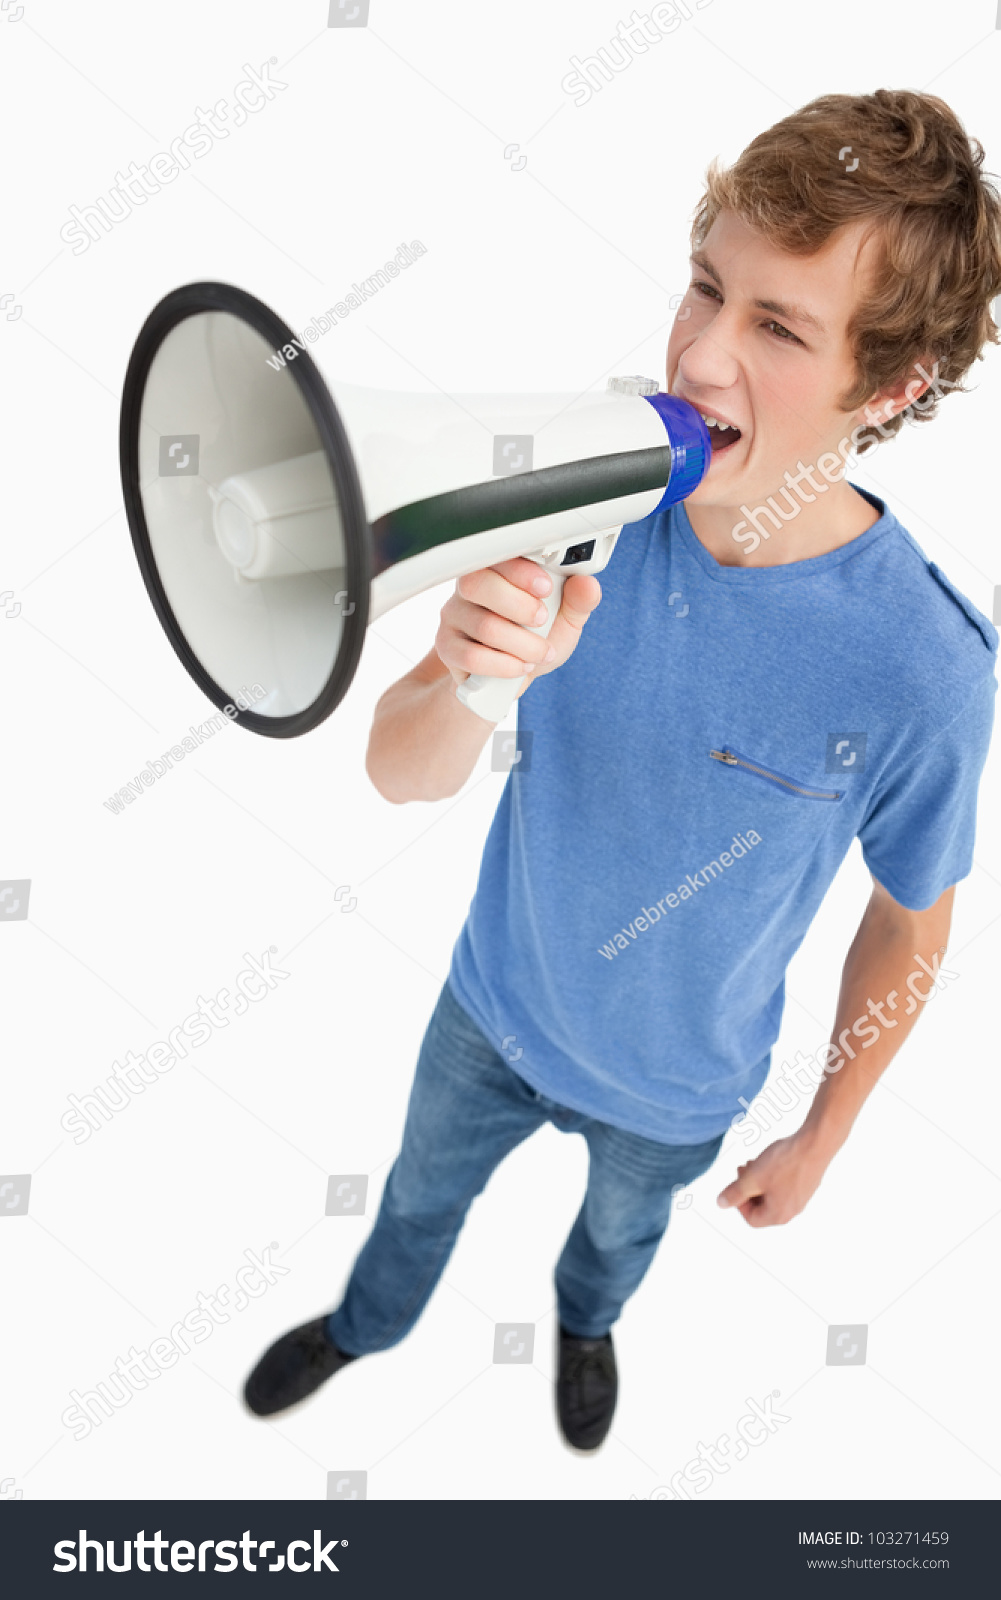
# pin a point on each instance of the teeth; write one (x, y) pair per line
(714, 422)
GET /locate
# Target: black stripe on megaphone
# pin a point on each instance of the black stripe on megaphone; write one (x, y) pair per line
(478, 507)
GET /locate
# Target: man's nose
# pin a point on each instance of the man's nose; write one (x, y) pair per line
(709, 361)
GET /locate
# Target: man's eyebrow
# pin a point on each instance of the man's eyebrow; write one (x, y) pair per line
(792, 313)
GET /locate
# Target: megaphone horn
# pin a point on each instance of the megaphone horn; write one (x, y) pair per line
(275, 514)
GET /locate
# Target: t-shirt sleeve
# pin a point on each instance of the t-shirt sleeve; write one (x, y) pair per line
(917, 836)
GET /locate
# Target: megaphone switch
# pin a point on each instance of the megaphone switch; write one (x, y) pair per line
(276, 512)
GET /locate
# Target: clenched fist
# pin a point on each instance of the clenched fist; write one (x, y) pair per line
(484, 625)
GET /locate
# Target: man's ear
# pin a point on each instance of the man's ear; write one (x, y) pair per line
(896, 397)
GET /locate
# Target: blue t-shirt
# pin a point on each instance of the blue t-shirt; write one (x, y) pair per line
(640, 898)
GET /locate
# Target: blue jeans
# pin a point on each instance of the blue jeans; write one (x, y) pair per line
(467, 1110)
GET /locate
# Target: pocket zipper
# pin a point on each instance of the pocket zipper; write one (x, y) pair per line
(733, 760)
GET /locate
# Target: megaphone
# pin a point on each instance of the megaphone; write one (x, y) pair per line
(274, 515)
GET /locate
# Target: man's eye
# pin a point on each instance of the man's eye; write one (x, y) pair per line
(783, 333)
(709, 291)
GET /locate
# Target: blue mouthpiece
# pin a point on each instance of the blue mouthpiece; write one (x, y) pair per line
(690, 446)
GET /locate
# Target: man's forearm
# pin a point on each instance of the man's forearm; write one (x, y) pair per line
(892, 968)
(424, 742)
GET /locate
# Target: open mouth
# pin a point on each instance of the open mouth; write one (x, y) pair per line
(722, 435)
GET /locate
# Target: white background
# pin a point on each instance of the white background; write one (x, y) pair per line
(550, 277)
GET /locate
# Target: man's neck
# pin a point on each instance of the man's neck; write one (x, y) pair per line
(834, 519)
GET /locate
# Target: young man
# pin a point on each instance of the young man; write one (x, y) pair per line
(775, 670)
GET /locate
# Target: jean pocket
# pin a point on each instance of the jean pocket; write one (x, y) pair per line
(699, 1158)
(459, 1043)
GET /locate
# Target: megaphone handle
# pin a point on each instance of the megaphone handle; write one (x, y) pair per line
(492, 698)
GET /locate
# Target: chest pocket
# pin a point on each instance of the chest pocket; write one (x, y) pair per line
(782, 780)
(786, 807)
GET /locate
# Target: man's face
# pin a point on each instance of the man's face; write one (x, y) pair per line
(744, 350)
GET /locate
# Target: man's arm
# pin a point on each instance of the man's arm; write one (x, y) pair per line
(424, 742)
(891, 968)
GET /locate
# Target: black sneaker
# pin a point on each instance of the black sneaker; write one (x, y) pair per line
(587, 1386)
(292, 1368)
